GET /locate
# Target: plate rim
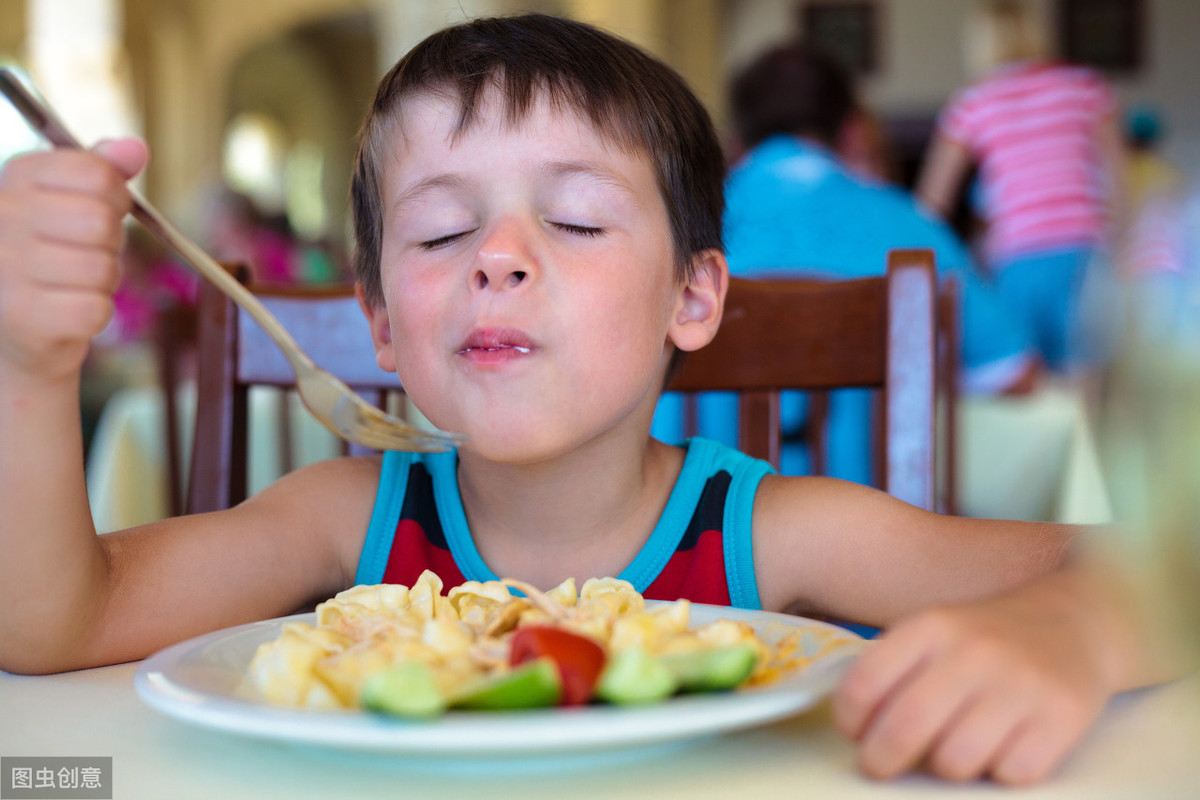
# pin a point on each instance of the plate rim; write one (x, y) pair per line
(507, 733)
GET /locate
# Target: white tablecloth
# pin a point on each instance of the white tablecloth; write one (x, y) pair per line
(1145, 747)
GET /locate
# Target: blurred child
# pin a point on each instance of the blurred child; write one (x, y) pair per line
(538, 211)
(1045, 137)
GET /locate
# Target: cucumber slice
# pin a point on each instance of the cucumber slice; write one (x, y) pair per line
(633, 677)
(534, 684)
(405, 690)
(711, 670)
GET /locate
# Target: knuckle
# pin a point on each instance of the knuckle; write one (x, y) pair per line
(890, 745)
(98, 221)
(95, 174)
(1021, 770)
(17, 170)
(857, 690)
(1070, 710)
(954, 761)
(940, 623)
(111, 230)
(98, 313)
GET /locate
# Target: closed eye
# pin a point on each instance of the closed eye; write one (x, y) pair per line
(442, 241)
(579, 230)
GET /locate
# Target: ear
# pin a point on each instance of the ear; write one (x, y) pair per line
(701, 302)
(381, 329)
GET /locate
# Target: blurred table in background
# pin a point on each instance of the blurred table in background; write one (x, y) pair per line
(127, 465)
(1030, 458)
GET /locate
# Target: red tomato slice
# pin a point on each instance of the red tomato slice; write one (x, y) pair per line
(579, 659)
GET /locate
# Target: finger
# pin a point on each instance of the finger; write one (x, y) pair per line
(972, 742)
(77, 219)
(74, 171)
(128, 155)
(881, 667)
(1038, 747)
(61, 316)
(913, 717)
(66, 266)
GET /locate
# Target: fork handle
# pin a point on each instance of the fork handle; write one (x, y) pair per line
(47, 123)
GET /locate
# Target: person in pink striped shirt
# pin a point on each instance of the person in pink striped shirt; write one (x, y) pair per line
(1045, 138)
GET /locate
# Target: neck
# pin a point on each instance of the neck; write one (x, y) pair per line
(586, 514)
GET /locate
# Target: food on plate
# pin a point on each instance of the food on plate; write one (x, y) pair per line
(415, 652)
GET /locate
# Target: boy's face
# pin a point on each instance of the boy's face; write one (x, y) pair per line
(528, 279)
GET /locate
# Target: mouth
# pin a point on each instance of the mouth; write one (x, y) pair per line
(491, 345)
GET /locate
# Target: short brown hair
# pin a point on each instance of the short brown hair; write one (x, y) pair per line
(633, 100)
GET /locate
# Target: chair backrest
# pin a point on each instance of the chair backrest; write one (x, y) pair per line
(174, 350)
(948, 364)
(876, 333)
(235, 354)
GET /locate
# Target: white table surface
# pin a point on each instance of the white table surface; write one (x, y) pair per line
(1146, 746)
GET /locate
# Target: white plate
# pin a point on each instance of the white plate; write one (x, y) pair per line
(195, 681)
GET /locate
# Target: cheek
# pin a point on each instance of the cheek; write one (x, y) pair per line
(630, 326)
(412, 312)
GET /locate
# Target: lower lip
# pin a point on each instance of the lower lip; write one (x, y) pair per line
(499, 355)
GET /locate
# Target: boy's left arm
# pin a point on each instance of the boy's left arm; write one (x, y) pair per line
(1008, 638)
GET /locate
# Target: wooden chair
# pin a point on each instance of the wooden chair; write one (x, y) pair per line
(948, 363)
(234, 355)
(877, 333)
(174, 347)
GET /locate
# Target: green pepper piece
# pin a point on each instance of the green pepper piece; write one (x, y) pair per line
(634, 676)
(405, 690)
(534, 684)
(711, 670)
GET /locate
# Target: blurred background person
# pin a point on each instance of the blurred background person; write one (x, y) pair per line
(1148, 175)
(238, 231)
(799, 205)
(1045, 138)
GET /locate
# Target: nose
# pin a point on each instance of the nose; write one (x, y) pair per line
(504, 259)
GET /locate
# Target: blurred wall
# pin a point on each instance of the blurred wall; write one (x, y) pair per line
(12, 27)
(197, 63)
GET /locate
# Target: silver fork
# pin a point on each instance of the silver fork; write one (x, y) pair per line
(332, 402)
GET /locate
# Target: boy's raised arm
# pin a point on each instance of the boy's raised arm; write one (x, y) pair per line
(60, 230)
(71, 598)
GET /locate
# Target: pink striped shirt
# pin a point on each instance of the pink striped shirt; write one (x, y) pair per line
(1034, 130)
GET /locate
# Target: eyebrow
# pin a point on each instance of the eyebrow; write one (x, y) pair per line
(554, 169)
(588, 169)
(422, 187)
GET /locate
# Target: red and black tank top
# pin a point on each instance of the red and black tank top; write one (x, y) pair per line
(701, 549)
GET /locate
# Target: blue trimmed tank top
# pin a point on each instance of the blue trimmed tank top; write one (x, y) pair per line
(700, 549)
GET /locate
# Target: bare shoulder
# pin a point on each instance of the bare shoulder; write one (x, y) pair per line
(328, 500)
(846, 550)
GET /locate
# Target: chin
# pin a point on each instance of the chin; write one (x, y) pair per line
(515, 446)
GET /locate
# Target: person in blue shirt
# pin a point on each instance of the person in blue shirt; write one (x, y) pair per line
(796, 207)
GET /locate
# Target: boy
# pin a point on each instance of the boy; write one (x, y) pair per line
(537, 208)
